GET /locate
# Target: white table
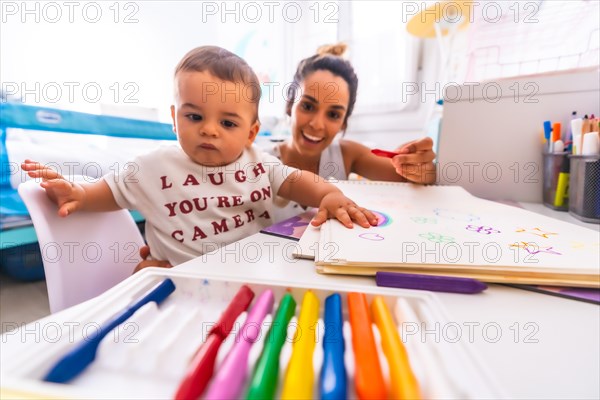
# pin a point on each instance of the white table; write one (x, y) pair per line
(537, 346)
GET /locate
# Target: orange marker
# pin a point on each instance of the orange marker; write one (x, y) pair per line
(403, 380)
(556, 132)
(368, 378)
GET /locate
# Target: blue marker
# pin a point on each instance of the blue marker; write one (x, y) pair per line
(77, 360)
(333, 372)
(547, 134)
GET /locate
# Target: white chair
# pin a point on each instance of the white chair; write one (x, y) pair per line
(83, 254)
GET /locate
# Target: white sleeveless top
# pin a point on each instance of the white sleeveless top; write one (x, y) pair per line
(331, 166)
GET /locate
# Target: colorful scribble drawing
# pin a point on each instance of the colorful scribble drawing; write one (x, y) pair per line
(371, 236)
(455, 215)
(424, 220)
(383, 219)
(537, 232)
(436, 237)
(533, 248)
(485, 230)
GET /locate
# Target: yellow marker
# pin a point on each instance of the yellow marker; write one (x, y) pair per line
(299, 377)
(404, 383)
(562, 189)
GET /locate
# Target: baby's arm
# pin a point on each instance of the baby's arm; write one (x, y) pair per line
(309, 189)
(69, 196)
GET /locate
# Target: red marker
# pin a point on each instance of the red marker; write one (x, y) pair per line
(384, 153)
(202, 365)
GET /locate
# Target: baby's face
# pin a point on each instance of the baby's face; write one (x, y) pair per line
(214, 119)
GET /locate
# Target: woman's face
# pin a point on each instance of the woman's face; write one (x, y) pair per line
(319, 112)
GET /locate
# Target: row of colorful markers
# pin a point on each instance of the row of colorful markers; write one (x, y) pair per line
(232, 376)
(580, 138)
(262, 382)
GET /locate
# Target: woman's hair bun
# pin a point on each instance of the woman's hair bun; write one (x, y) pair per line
(333, 49)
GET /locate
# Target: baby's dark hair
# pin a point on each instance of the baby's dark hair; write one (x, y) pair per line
(223, 64)
(328, 58)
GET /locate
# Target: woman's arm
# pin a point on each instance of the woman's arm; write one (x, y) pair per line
(413, 164)
(367, 164)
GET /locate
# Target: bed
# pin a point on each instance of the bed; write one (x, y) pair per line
(74, 143)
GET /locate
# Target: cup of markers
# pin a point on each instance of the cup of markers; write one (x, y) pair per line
(584, 188)
(584, 181)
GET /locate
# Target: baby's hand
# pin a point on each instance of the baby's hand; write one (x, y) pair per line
(67, 195)
(336, 205)
(145, 263)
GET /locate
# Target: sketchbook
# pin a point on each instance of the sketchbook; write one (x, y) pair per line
(308, 243)
(445, 230)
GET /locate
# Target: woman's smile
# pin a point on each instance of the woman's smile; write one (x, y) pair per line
(312, 139)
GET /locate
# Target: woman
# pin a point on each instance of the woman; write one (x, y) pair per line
(319, 102)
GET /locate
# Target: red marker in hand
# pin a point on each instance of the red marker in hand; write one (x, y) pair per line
(384, 153)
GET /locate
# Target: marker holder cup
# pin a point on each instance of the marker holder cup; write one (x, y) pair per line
(584, 188)
(554, 164)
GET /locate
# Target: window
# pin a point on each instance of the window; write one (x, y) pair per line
(384, 55)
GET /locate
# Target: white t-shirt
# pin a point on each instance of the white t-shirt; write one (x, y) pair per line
(191, 209)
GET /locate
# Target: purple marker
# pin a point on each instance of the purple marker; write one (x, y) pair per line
(434, 283)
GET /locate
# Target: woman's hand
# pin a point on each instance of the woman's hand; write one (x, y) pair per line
(145, 253)
(336, 205)
(415, 161)
(67, 195)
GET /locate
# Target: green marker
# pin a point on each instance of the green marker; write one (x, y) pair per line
(264, 379)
